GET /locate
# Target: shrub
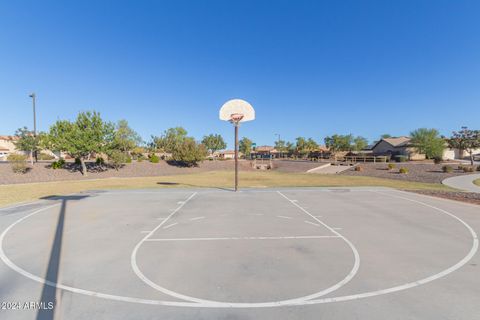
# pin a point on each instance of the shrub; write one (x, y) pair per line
(447, 169)
(18, 163)
(468, 169)
(100, 161)
(403, 170)
(437, 160)
(358, 168)
(460, 167)
(58, 164)
(189, 153)
(401, 158)
(391, 166)
(154, 158)
(117, 158)
(78, 162)
(44, 156)
(478, 168)
(128, 159)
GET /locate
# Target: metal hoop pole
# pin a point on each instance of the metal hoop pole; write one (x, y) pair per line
(236, 156)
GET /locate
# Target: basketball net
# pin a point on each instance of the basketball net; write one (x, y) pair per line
(235, 118)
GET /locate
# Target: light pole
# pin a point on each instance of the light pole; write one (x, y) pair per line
(33, 96)
(278, 144)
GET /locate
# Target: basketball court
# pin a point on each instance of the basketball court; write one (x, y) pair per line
(304, 253)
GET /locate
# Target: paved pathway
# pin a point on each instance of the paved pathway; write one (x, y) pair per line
(463, 182)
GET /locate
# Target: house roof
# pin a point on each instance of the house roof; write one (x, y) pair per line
(8, 138)
(395, 142)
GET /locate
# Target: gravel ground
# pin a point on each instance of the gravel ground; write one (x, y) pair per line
(470, 197)
(420, 172)
(41, 171)
(294, 165)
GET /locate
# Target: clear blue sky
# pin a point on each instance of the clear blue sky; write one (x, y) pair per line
(310, 68)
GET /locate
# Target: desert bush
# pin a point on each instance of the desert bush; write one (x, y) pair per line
(401, 158)
(468, 169)
(58, 164)
(117, 158)
(358, 168)
(153, 158)
(391, 166)
(18, 163)
(437, 160)
(128, 159)
(403, 170)
(447, 169)
(44, 156)
(189, 153)
(478, 168)
(460, 167)
(100, 161)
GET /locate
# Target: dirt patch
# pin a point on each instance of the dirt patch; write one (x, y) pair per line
(41, 171)
(470, 197)
(419, 172)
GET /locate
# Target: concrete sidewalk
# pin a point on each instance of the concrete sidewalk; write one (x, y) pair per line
(463, 182)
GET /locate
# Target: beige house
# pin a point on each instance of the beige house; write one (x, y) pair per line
(227, 154)
(403, 146)
(7, 146)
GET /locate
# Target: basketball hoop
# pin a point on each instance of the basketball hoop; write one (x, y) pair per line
(235, 118)
(236, 111)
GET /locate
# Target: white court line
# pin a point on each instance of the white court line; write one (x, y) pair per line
(310, 222)
(128, 299)
(241, 238)
(197, 218)
(356, 255)
(161, 218)
(170, 225)
(285, 217)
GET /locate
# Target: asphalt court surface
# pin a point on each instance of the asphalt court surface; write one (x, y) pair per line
(306, 253)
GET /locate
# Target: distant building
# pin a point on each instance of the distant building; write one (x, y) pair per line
(227, 154)
(403, 146)
(7, 146)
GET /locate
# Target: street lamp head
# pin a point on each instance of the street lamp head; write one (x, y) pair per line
(32, 95)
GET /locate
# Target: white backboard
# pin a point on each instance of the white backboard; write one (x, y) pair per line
(237, 106)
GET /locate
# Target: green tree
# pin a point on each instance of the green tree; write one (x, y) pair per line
(465, 140)
(125, 138)
(245, 146)
(169, 140)
(86, 135)
(311, 145)
(27, 142)
(428, 142)
(359, 143)
(214, 142)
(386, 136)
(189, 152)
(300, 146)
(337, 142)
(281, 146)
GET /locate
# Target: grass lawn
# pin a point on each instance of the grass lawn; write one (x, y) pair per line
(10, 194)
(477, 182)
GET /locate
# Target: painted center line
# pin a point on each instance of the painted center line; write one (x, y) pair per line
(285, 217)
(310, 222)
(242, 238)
(197, 218)
(170, 225)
